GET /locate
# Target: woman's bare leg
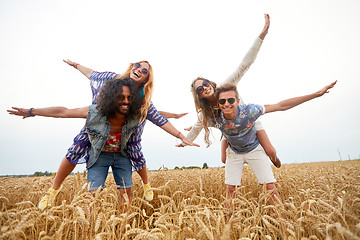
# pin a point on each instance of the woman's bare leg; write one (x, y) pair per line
(268, 147)
(64, 170)
(148, 193)
(144, 174)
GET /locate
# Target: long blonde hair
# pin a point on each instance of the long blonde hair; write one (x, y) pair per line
(203, 105)
(148, 89)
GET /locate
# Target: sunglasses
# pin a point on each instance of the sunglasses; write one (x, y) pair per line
(223, 100)
(143, 70)
(128, 97)
(200, 89)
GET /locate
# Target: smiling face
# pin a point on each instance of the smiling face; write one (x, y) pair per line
(229, 109)
(204, 89)
(140, 72)
(124, 101)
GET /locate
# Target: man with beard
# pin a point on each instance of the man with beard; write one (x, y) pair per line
(109, 124)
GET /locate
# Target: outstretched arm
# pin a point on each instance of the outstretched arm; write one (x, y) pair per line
(84, 70)
(172, 115)
(56, 112)
(250, 56)
(292, 102)
(194, 131)
(155, 117)
(168, 127)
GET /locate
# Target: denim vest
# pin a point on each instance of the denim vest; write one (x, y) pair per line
(98, 129)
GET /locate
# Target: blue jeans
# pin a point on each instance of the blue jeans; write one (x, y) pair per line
(120, 165)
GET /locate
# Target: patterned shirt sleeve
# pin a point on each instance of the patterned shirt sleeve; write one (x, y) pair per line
(254, 111)
(155, 117)
(134, 148)
(97, 80)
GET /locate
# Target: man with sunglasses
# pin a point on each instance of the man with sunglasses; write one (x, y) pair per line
(236, 122)
(109, 124)
(77, 153)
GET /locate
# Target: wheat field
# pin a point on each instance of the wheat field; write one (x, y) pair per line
(320, 201)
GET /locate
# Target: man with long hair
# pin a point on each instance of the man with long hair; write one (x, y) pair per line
(109, 124)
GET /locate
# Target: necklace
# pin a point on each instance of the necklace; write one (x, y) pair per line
(217, 125)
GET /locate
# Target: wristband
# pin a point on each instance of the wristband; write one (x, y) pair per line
(177, 135)
(30, 112)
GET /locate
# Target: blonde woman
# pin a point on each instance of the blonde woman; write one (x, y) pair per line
(141, 72)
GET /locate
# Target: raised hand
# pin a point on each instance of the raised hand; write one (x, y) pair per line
(325, 89)
(84, 70)
(265, 30)
(71, 63)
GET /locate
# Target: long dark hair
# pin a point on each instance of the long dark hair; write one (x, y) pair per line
(109, 95)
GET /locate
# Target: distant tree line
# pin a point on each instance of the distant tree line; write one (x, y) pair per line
(36, 174)
(205, 166)
(39, 174)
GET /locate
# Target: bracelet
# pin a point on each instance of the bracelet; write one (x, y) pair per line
(76, 65)
(30, 112)
(177, 135)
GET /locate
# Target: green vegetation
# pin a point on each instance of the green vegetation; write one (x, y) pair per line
(39, 174)
(36, 174)
(189, 167)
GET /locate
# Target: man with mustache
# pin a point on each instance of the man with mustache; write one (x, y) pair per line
(109, 124)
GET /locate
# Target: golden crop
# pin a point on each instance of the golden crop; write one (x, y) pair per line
(320, 201)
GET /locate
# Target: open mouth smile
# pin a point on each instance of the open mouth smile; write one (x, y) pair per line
(124, 106)
(136, 74)
(226, 108)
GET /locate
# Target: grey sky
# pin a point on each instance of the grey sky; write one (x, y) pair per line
(309, 45)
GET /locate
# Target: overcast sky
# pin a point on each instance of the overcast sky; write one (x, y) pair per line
(310, 44)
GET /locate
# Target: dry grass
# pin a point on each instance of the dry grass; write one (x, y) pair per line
(320, 201)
